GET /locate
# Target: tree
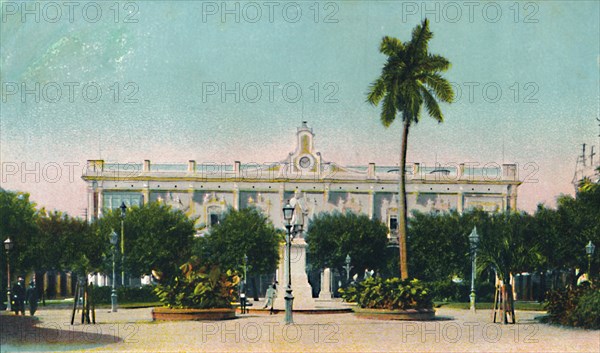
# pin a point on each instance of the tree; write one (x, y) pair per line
(69, 244)
(242, 232)
(332, 236)
(410, 78)
(439, 252)
(587, 185)
(18, 221)
(508, 244)
(438, 246)
(576, 218)
(156, 238)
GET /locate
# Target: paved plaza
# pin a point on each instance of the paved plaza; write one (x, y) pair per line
(132, 330)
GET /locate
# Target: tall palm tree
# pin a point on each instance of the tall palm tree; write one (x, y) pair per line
(587, 184)
(410, 78)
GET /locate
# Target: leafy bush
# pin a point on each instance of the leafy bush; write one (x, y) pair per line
(587, 311)
(448, 291)
(391, 294)
(351, 293)
(575, 306)
(200, 286)
(143, 294)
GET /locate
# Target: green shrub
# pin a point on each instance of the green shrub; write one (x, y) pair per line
(391, 294)
(200, 286)
(143, 294)
(575, 306)
(350, 294)
(448, 291)
(587, 312)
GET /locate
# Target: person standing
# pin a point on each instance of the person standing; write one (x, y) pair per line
(271, 294)
(18, 292)
(31, 297)
(243, 303)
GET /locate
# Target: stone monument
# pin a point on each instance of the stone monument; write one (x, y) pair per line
(325, 293)
(302, 291)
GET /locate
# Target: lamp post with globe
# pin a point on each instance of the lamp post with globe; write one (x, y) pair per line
(114, 238)
(589, 250)
(347, 267)
(123, 212)
(8, 245)
(288, 212)
(473, 241)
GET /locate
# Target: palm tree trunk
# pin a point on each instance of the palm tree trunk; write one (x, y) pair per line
(402, 210)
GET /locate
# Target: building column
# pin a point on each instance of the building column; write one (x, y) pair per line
(236, 196)
(146, 194)
(513, 198)
(460, 202)
(370, 211)
(68, 280)
(282, 203)
(191, 196)
(319, 162)
(45, 289)
(58, 282)
(90, 203)
(100, 201)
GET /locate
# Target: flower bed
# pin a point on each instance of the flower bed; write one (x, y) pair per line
(201, 292)
(168, 314)
(384, 314)
(391, 299)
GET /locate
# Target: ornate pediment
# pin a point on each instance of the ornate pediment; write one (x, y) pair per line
(174, 200)
(307, 161)
(214, 205)
(350, 204)
(213, 199)
(389, 207)
(304, 159)
(261, 202)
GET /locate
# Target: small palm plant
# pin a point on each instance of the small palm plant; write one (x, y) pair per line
(200, 286)
(390, 294)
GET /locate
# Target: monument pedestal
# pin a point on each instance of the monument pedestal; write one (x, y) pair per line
(325, 293)
(301, 290)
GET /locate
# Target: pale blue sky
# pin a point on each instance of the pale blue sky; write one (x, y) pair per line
(547, 51)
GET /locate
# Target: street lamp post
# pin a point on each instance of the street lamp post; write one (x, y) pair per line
(589, 250)
(114, 238)
(288, 212)
(473, 241)
(123, 211)
(243, 288)
(245, 269)
(348, 267)
(8, 244)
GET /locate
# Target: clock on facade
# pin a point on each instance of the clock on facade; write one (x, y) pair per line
(304, 162)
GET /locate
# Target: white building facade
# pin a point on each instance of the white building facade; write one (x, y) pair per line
(205, 190)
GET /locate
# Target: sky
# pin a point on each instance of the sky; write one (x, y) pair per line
(221, 81)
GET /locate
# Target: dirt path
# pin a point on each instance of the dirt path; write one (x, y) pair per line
(133, 331)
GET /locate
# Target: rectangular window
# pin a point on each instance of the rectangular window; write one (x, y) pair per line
(113, 200)
(393, 223)
(214, 219)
